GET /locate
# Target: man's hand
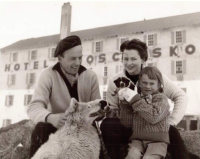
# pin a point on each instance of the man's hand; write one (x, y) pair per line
(57, 120)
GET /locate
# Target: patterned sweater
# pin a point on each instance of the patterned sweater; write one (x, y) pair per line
(172, 92)
(150, 120)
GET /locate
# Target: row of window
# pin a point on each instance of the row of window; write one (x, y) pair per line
(32, 55)
(178, 67)
(10, 99)
(177, 37)
(30, 79)
(27, 98)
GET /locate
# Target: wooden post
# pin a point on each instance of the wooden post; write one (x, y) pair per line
(198, 123)
(187, 118)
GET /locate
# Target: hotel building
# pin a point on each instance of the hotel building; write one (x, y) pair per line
(173, 46)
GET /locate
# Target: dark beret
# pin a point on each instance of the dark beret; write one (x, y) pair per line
(66, 44)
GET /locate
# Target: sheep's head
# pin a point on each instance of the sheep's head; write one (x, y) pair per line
(83, 113)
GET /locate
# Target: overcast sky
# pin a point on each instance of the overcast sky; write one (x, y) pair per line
(23, 20)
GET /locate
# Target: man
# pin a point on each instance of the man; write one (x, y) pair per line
(56, 86)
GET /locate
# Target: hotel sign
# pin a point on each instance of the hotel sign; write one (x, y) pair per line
(156, 53)
(17, 66)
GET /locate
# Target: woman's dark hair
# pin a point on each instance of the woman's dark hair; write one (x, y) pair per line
(135, 44)
(154, 74)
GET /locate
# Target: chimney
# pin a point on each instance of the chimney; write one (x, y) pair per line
(65, 26)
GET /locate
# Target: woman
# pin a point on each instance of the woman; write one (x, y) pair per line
(116, 136)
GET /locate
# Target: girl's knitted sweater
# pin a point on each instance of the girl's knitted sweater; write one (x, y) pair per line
(150, 120)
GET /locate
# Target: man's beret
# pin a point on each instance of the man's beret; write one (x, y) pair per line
(66, 44)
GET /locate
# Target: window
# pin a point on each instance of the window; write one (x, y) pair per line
(51, 53)
(11, 79)
(150, 40)
(14, 57)
(104, 95)
(105, 71)
(179, 37)
(9, 100)
(33, 55)
(31, 78)
(120, 41)
(27, 99)
(6, 122)
(98, 47)
(179, 67)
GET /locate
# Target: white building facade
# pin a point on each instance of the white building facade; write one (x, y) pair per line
(174, 48)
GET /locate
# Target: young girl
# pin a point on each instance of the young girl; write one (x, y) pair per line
(150, 137)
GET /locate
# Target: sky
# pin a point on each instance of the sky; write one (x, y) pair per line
(28, 19)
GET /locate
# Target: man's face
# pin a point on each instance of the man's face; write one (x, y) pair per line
(71, 60)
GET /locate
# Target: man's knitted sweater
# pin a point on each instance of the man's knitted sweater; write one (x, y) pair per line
(52, 95)
(150, 120)
(172, 92)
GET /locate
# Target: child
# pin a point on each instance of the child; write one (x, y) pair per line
(149, 137)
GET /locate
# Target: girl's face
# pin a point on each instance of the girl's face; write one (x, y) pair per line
(132, 61)
(148, 86)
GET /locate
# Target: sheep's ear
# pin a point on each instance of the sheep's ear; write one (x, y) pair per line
(73, 106)
(73, 103)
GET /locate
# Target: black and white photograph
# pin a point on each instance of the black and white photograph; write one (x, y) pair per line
(100, 79)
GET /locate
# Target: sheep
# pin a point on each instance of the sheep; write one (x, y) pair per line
(77, 139)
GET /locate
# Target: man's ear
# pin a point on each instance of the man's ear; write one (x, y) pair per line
(59, 58)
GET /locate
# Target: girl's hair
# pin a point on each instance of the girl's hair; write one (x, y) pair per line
(154, 74)
(135, 44)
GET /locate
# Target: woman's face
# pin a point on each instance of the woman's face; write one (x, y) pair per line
(132, 61)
